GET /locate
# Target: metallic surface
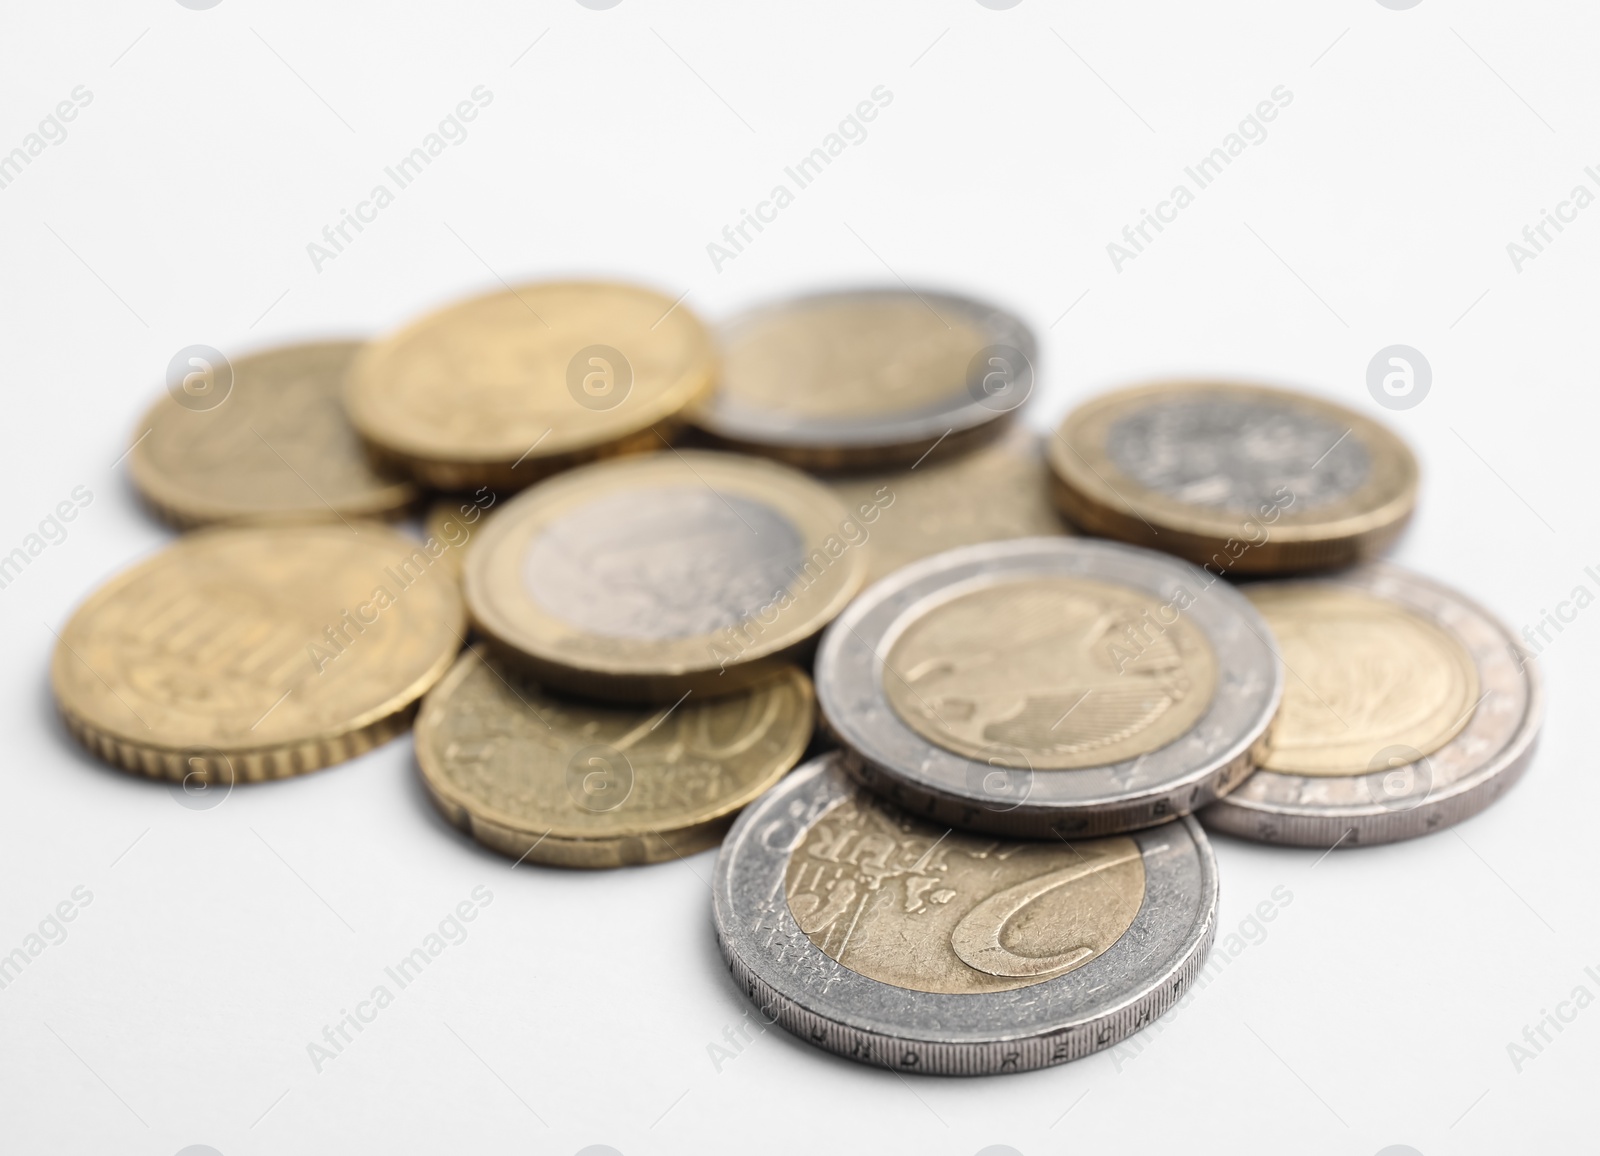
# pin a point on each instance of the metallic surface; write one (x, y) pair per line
(257, 653)
(578, 784)
(277, 448)
(1407, 792)
(1243, 479)
(1003, 791)
(859, 379)
(1021, 913)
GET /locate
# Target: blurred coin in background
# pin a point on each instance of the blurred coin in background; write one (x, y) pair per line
(275, 446)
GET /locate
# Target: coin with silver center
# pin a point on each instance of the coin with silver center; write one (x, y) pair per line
(1047, 687)
(1407, 708)
(867, 378)
(908, 945)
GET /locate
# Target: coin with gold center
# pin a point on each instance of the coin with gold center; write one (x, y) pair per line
(902, 943)
(508, 388)
(867, 378)
(648, 577)
(1048, 686)
(277, 447)
(1241, 479)
(1407, 709)
(242, 654)
(575, 783)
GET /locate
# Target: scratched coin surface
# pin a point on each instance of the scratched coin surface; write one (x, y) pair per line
(998, 490)
(1414, 710)
(1049, 687)
(243, 654)
(1241, 479)
(278, 448)
(641, 579)
(575, 783)
(867, 378)
(901, 943)
(504, 389)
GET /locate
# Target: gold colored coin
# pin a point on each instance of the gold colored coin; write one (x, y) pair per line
(1001, 490)
(580, 784)
(276, 447)
(1065, 672)
(1368, 675)
(257, 653)
(1241, 479)
(922, 907)
(502, 390)
(641, 579)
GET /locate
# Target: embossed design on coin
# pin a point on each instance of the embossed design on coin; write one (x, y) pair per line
(867, 377)
(282, 649)
(668, 563)
(894, 942)
(581, 784)
(1385, 647)
(644, 578)
(281, 448)
(1243, 479)
(1070, 672)
(927, 909)
(478, 393)
(1236, 455)
(1370, 674)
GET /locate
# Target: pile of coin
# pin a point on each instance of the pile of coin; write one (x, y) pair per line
(653, 559)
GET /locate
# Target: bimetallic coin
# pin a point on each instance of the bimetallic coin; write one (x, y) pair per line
(244, 654)
(577, 784)
(904, 944)
(641, 579)
(1049, 687)
(1000, 490)
(276, 448)
(1407, 708)
(505, 389)
(868, 378)
(1241, 479)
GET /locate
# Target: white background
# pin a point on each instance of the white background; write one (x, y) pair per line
(1379, 1008)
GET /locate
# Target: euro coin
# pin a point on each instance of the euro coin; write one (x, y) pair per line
(867, 379)
(562, 781)
(273, 446)
(1049, 687)
(999, 490)
(1408, 708)
(504, 389)
(901, 943)
(643, 579)
(245, 654)
(1240, 479)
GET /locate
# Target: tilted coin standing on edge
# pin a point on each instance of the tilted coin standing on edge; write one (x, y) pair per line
(999, 490)
(646, 578)
(245, 654)
(508, 388)
(895, 942)
(1049, 687)
(868, 378)
(1408, 708)
(276, 447)
(1241, 479)
(580, 784)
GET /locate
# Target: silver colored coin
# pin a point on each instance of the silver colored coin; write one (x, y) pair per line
(931, 901)
(868, 378)
(1100, 688)
(1403, 799)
